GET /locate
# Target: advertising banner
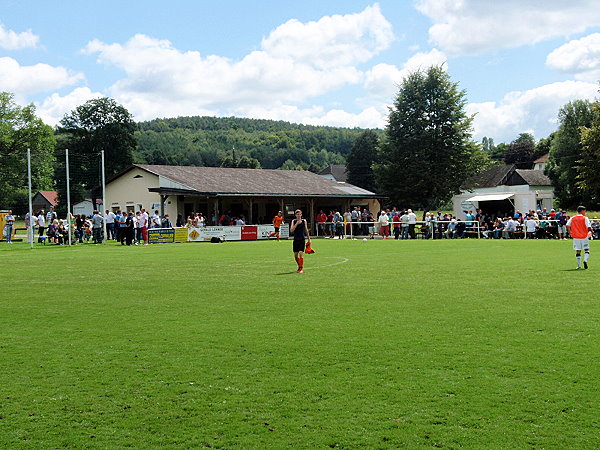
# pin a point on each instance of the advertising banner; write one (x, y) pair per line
(249, 233)
(207, 233)
(264, 231)
(181, 235)
(161, 235)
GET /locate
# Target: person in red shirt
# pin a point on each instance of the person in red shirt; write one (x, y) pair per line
(321, 219)
(580, 229)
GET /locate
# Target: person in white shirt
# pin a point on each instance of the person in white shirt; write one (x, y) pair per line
(41, 223)
(156, 222)
(384, 225)
(143, 222)
(109, 218)
(531, 227)
(404, 223)
(412, 221)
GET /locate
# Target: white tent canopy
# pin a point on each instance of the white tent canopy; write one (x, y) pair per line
(490, 197)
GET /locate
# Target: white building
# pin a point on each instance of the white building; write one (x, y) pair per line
(501, 190)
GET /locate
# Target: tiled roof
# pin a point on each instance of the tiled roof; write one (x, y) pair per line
(338, 171)
(261, 182)
(534, 177)
(51, 196)
(542, 159)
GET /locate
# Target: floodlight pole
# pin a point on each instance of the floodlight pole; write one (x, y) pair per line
(103, 200)
(69, 227)
(30, 228)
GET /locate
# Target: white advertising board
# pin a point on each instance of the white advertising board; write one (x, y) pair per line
(206, 233)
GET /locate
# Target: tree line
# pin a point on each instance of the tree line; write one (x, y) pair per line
(421, 159)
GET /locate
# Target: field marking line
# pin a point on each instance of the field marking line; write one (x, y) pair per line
(345, 260)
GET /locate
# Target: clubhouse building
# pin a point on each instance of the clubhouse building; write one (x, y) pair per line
(256, 194)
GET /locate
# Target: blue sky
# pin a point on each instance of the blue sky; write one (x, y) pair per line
(319, 62)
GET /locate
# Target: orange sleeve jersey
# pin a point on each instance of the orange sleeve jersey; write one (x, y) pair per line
(579, 227)
(277, 221)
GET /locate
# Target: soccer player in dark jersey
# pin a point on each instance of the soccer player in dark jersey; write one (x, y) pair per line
(299, 229)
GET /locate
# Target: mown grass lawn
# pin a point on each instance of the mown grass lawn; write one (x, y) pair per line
(380, 344)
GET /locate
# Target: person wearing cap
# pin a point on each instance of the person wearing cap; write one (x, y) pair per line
(299, 230)
(580, 229)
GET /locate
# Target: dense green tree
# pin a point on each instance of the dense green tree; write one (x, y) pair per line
(543, 146)
(363, 155)
(99, 124)
(521, 152)
(588, 178)
(21, 129)
(428, 152)
(566, 151)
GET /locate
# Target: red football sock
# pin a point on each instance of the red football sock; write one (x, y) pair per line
(301, 262)
(297, 260)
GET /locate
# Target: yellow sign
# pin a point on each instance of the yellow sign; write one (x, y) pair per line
(181, 234)
(2, 223)
(194, 235)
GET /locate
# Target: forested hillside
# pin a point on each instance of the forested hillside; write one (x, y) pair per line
(236, 142)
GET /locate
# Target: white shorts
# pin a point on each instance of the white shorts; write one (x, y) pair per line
(581, 244)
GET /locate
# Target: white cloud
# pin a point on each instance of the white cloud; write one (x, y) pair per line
(24, 80)
(580, 57)
(295, 62)
(383, 79)
(11, 40)
(53, 108)
(534, 111)
(475, 26)
(332, 40)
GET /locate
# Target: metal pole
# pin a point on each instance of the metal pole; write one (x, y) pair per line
(103, 199)
(69, 227)
(30, 228)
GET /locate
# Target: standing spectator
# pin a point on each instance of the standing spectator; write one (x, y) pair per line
(41, 222)
(156, 221)
(138, 231)
(355, 219)
(79, 228)
(144, 225)
(109, 217)
(510, 228)
(411, 223)
(338, 219)
(130, 228)
(531, 227)
(330, 224)
(50, 216)
(405, 219)
(321, 219)
(179, 221)
(122, 227)
(347, 221)
(10, 222)
(397, 225)
(384, 226)
(562, 225)
(97, 222)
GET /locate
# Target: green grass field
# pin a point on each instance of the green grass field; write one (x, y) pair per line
(380, 344)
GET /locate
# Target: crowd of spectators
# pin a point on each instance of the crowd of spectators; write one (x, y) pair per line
(403, 224)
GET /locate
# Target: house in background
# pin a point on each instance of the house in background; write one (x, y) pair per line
(501, 190)
(44, 200)
(541, 162)
(257, 194)
(86, 207)
(335, 172)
